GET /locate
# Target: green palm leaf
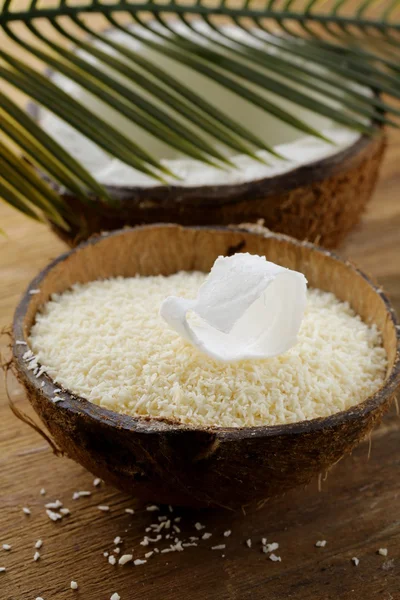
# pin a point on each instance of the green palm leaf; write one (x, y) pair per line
(321, 59)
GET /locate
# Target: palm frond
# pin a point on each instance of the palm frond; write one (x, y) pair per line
(320, 58)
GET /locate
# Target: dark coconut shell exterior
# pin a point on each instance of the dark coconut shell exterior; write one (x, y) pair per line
(167, 462)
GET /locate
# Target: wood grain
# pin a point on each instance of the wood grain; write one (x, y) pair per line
(357, 510)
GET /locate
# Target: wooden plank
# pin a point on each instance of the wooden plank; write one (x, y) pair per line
(357, 510)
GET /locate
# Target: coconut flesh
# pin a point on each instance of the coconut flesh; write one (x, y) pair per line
(106, 341)
(297, 148)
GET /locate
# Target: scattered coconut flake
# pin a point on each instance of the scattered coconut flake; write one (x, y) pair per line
(56, 399)
(188, 544)
(193, 538)
(138, 562)
(383, 551)
(3, 569)
(145, 541)
(53, 515)
(170, 508)
(199, 526)
(162, 518)
(176, 528)
(148, 554)
(54, 505)
(38, 544)
(320, 544)
(105, 554)
(117, 540)
(57, 390)
(34, 292)
(42, 385)
(26, 510)
(219, 547)
(20, 343)
(227, 533)
(36, 556)
(65, 511)
(248, 542)
(130, 511)
(97, 481)
(112, 560)
(271, 547)
(74, 585)
(274, 558)
(152, 508)
(355, 561)
(177, 546)
(77, 495)
(165, 550)
(103, 508)
(177, 519)
(167, 524)
(41, 371)
(115, 596)
(6, 547)
(264, 541)
(125, 558)
(205, 536)
(117, 550)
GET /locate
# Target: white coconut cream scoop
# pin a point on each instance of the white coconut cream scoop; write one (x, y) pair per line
(247, 308)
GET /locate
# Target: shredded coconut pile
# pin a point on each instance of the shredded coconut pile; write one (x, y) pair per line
(106, 342)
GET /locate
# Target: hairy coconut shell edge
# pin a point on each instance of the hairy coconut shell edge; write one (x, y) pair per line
(162, 461)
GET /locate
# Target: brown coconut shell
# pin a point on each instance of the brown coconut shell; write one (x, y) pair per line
(163, 461)
(320, 202)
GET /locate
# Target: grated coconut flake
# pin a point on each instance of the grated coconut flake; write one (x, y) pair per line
(165, 377)
(274, 558)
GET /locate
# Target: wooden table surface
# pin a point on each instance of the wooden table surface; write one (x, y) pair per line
(357, 509)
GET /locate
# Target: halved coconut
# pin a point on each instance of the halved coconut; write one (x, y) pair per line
(317, 193)
(171, 462)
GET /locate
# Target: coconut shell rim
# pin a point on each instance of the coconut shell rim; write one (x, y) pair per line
(77, 405)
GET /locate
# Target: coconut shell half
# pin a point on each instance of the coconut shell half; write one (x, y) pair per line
(167, 462)
(321, 202)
